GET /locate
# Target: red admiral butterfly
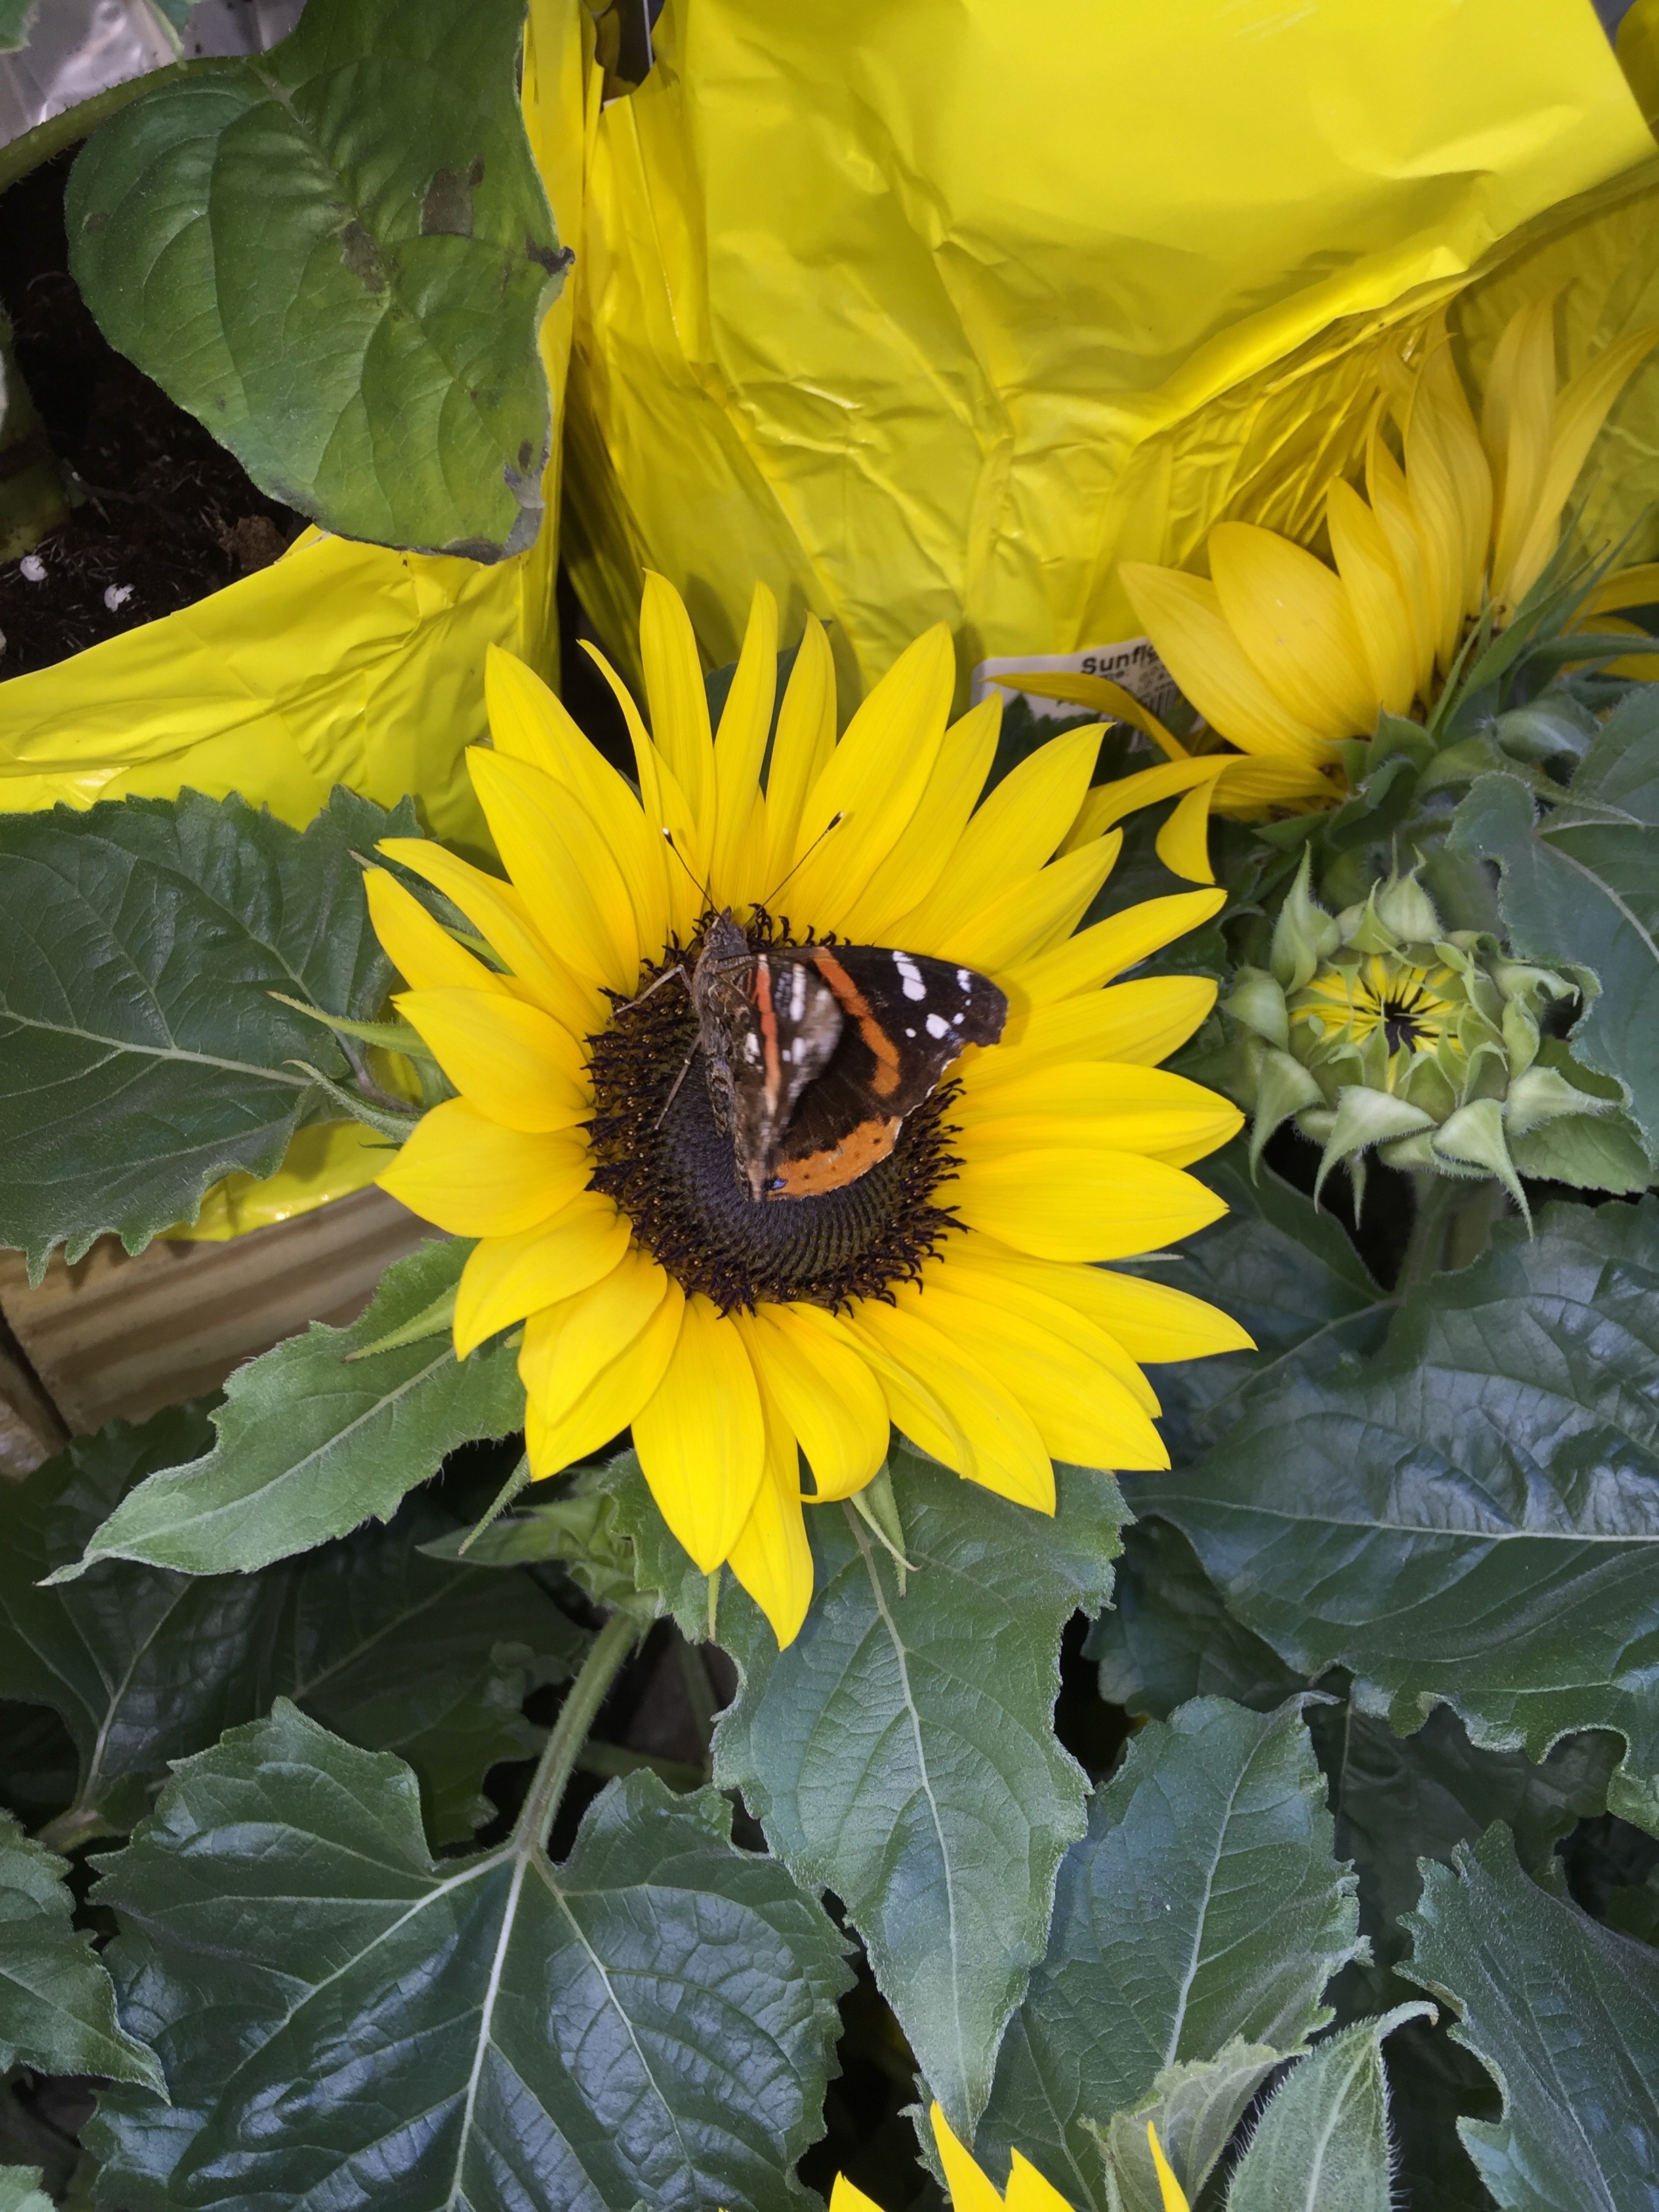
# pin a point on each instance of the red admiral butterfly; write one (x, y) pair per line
(817, 1052)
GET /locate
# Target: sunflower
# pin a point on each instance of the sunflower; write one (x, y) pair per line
(972, 2189)
(1285, 655)
(951, 1289)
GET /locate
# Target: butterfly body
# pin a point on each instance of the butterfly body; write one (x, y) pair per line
(817, 1052)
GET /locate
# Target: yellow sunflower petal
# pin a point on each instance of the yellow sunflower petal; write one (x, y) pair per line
(1022, 823)
(1293, 619)
(970, 2191)
(528, 721)
(1450, 484)
(1082, 1413)
(1390, 502)
(511, 1059)
(421, 950)
(1003, 1449)
(1182, 616)
(1094, 955)
(911, 1405)
(498, 913)
(1370, 576)
(1125, 1108)
(1626, 587)
(1153, 1321)
(679, 700)
(844, 2198)
(1144, 1021)
(1108, 804)
(800, 751)
(1101, 696)
(740, 748)
(770, 1556)
(474, 1178)
(1027, 2189)
(933, 840)
(612, 1400)
(1034, 912)
(667, 811)
(700, 1440)
(570, 1338)
(558, 859)
(1580, 411)
(826, 1393)
(506, 1278)
(874, 780)
(992, 1272)
(1071, 1203)
(1517, 423)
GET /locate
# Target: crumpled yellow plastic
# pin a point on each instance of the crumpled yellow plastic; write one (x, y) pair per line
(342, 663)
(939, 311)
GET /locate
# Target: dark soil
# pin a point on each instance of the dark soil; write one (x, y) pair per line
(166, 515)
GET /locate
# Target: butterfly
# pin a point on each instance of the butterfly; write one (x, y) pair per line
(817, 1052)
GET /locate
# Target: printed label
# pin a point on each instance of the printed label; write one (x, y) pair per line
(1131, 663)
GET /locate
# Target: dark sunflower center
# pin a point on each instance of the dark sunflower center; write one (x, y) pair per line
(671, 1169)
(1402, 1014)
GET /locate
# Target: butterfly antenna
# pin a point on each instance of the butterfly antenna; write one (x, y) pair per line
(703, 891)
(834, 823)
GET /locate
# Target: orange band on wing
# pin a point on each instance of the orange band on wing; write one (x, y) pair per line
(768, 1030)
(857, 1152)
(851, 1000)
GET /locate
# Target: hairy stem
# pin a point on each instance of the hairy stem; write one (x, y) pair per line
(611, 1647)
(1438, 1197)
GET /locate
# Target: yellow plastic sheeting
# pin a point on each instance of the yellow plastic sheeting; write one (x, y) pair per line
(940, 311)
(342, 663)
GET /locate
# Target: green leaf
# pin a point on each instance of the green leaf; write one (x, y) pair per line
(57, 2008)
(342, 2019)
(1401, 1799)
(1471, 1517)
(311, 1443)
(1194, 2105)
(1322, 2143)
(1167, 1636)
(1564, 2015)
(1202, 1910)
(142, 1057)
(20, 2190)
(1580, 888)
(1283, 1269)
(16, 17)
(352, 231)
(395, 1650)
(902, 1751)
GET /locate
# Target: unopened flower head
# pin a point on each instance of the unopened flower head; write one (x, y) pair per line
(1376, 1029)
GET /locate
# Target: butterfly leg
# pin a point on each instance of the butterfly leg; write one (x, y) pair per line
(685, 1069)
(667, 977)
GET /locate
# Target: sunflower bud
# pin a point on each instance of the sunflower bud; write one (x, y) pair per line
(1379, 1030)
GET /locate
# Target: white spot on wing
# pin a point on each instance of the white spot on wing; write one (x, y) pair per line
(751, 1049)
(798, 993)
(909, 975)
(965, 977)
(938, 1026)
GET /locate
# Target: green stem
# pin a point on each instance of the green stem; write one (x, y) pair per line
(611, 1647)
(1437, 1197)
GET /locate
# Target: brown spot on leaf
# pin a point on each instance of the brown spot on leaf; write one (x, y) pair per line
(362, 257)
(446, 210)
(526, 454)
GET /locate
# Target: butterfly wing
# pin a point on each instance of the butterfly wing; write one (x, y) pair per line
(905, 1019)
